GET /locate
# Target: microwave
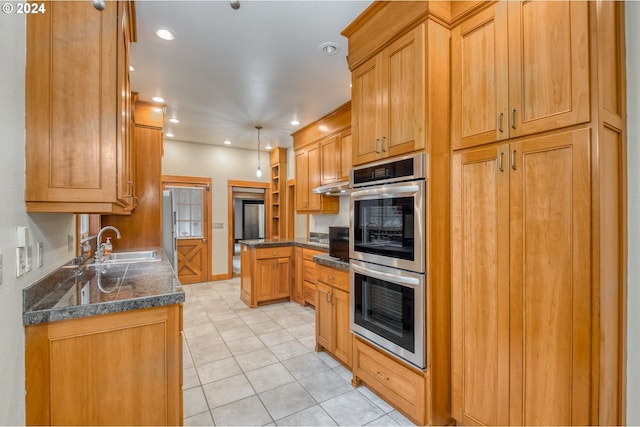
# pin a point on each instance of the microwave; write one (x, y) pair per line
(339, 242)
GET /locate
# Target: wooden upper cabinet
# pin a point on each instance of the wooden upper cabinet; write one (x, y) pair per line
(519, 68)
(548, 65)
(479, 95)
(389, 101)
(330, 159)
(335, 158)
(319, 152)
(78, 108)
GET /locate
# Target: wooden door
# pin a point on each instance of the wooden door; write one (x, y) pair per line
(313, 169)
(480, 292)
(548, 65)
(324, 316)
(282, 286)
(550, 276)
(345, 154)
(302, 181)
(192, 260)
(365, 111)
(403, 99)
(330, 160)
(342, 329)
(479, 79)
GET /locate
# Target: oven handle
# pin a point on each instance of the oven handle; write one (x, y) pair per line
(400, 280)
(387, 191)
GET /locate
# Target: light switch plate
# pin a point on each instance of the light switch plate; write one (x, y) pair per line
(218, 225)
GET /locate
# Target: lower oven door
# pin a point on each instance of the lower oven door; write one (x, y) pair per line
(388, 309)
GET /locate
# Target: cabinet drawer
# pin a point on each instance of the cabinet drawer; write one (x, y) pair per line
(310, 293)
(274, 252)
(402, 387)
(333, 277)
(309, 271)
(307, 254)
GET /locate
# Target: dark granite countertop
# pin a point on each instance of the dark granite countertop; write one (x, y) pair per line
(300, 242)
(332, 262)
(74, 291)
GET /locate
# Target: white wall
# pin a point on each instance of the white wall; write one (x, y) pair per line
(51, 229)
(633, 213)
(321, 223)
(221, 164)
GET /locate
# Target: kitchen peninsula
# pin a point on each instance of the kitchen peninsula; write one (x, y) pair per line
(104, 345)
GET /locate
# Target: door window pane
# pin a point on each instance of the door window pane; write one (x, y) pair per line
(189, 211)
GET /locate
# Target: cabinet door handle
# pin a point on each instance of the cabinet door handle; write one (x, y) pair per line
(500, 116)
(384, 138)
(376, 148)
(382, 377)
(513, 118)
(330, 278)
(513, 160)
(500, 166)
(326, 298)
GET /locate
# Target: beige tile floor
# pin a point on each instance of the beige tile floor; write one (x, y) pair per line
(258, 366)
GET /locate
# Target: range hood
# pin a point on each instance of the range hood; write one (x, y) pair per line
(340, 188)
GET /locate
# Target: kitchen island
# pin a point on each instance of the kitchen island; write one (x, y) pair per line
(104, 345)
(271, 270)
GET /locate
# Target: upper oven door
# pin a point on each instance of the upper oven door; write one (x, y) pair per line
(388, 225)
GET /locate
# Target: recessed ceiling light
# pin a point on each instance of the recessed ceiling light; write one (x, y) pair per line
(227, 142)
(267, 147)
(169, 134)
(158, 99)
(329, 48)
(131, 68)
(174, 120)
(165, 34)
(295, 122)
(157, 109)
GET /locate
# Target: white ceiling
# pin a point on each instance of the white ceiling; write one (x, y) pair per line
(229, 70)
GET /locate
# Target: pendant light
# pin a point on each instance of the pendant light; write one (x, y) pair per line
(258, 171)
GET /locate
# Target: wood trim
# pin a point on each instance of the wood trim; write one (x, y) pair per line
(217, 277)
(230, 217)
(176, 179)
(291, 209)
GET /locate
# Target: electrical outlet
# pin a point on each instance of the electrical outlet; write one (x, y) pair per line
(27, 267)
(40, 254)
(0, 268)
(69, 242)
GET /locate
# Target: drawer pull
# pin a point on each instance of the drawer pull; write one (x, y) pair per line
(382, 377)
(330, 277)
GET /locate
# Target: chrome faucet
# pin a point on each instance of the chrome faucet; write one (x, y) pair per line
(100, 245)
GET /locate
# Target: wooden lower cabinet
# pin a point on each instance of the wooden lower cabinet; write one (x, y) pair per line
(113, 369)
(522, 297)
(266, 274)
(403, 387)
(333, 332)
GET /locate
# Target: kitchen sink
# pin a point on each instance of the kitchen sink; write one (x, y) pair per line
(135, 256)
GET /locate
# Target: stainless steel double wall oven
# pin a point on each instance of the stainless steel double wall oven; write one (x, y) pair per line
(387, 252)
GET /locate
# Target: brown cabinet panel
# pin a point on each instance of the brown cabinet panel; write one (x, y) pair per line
(480, 262)
(114, 369)
(519, 68)
(333, 331)
(266, 274)
(77, 152)
(522, 299)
